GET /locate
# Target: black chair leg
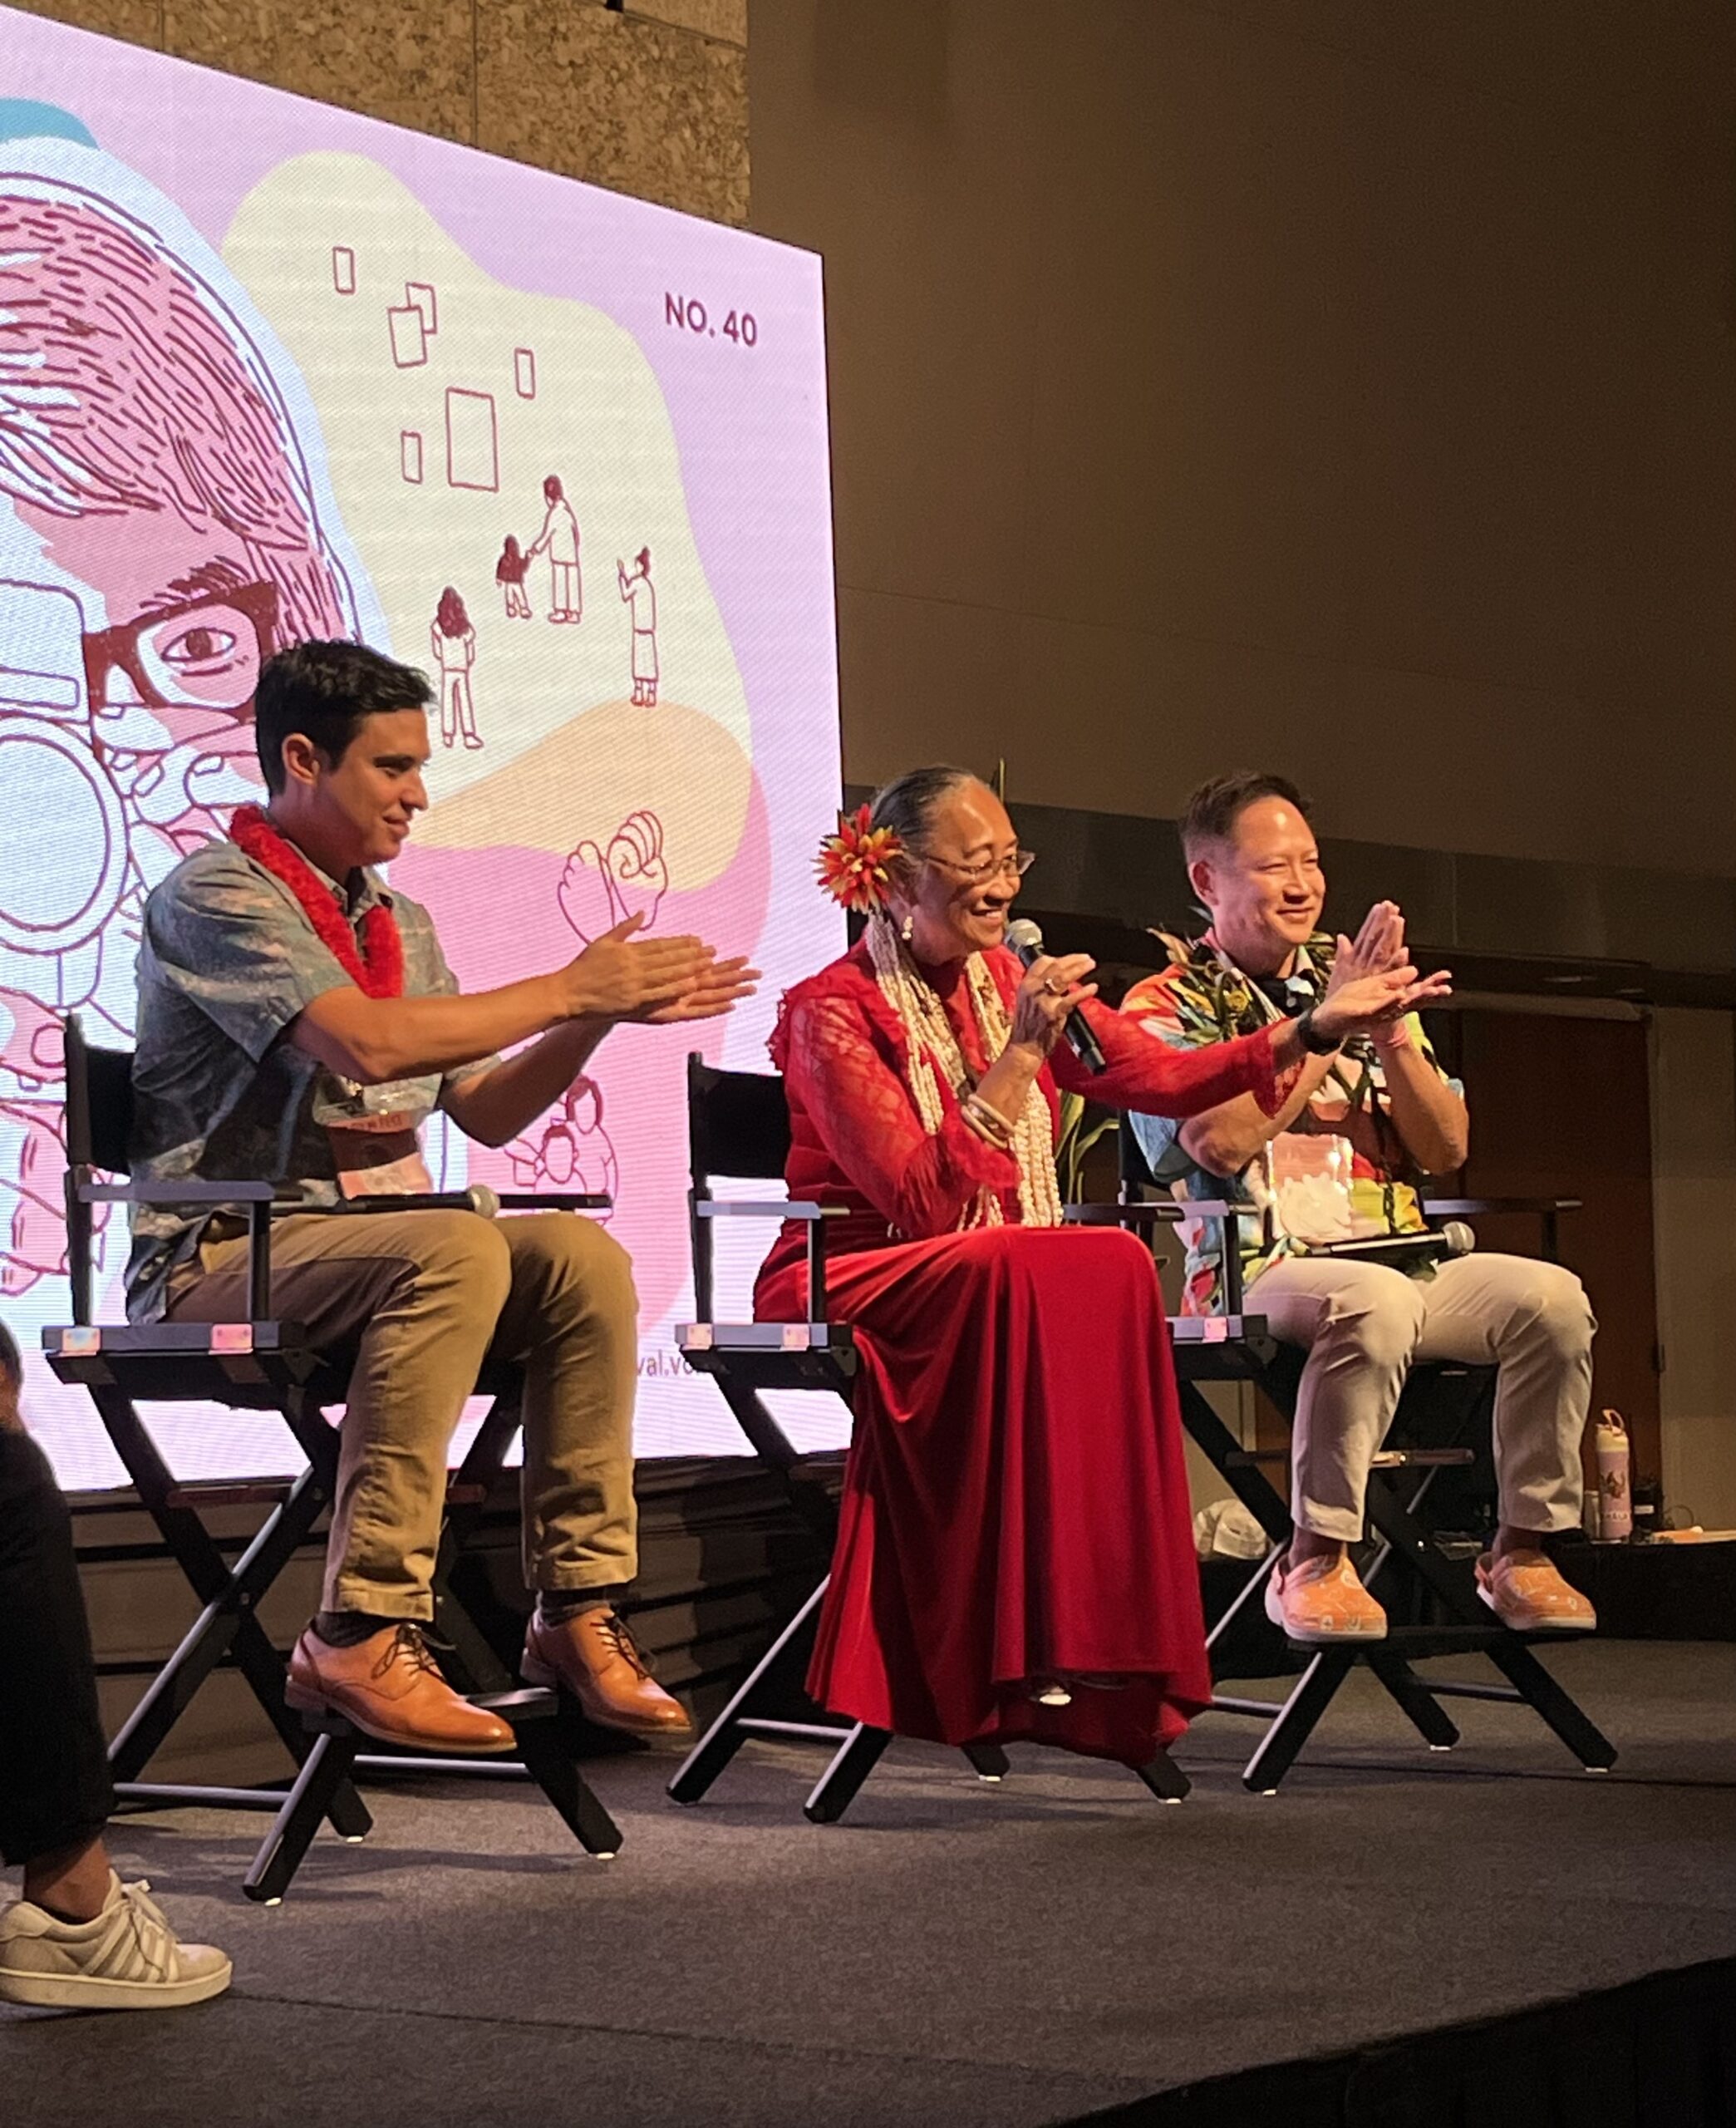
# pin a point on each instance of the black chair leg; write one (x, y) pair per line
(545, 1749)
(835, 1789)
(227, 1628)
(324, 1772)
(777, 1669)
(1432, 1723)
(1561, 1712)
(1312, 1694)
(1164, 1778)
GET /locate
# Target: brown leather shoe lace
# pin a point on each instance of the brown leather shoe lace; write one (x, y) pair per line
(619, 1639)
(416, 1645)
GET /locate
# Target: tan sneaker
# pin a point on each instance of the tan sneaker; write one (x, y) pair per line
(127, 1959)
(1322, 1601)
(1531, 1596)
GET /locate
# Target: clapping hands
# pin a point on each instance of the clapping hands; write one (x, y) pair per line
(1374, 985)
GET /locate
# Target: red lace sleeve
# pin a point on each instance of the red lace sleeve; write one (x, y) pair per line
(1148, 1076)
(841, 1072)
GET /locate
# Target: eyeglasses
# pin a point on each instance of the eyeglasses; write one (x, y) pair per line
(1014, 866)
(204, 654)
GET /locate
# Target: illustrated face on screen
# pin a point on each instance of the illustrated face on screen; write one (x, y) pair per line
(155, 544)
(140, 446)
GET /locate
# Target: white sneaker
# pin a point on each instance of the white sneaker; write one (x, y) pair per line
(127, 1959)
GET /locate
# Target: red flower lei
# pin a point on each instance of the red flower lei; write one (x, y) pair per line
(377, 969)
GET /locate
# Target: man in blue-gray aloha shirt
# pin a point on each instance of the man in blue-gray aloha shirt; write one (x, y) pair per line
(1340, 1160)
(297, 1023)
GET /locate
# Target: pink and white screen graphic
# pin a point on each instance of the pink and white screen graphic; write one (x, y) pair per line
(270, 370)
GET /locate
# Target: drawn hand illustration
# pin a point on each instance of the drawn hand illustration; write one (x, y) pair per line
(602, 888)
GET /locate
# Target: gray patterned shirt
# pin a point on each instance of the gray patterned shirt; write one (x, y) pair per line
(229, 959)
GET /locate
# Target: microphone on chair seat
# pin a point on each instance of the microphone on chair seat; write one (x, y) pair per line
(1025, 939)
(1453, 1237)
(477, 1198)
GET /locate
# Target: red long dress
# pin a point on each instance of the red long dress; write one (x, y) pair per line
(1015, 1500)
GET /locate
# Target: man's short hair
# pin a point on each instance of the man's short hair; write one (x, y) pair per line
(1211, 814)
(324, 690)
(12, 1378)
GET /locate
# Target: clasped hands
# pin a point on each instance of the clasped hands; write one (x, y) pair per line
(1374, 985)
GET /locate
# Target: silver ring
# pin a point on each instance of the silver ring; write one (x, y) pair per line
(1055, 989)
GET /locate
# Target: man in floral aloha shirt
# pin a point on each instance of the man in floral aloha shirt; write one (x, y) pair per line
(1343, 1159)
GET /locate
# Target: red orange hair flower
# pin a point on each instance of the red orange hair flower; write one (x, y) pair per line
(855, 864)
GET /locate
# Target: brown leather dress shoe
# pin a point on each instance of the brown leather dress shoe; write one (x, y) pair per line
(596, 1659)
(389, 1686)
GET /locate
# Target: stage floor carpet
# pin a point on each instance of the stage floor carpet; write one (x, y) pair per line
(954, 1954)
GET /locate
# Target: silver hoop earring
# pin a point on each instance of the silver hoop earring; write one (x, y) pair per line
(906, 929)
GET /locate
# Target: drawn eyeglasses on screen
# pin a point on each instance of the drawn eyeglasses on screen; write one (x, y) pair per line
(204, 653)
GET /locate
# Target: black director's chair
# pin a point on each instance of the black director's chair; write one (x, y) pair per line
(262, 1364)
(739, 1126)
(1400, 1483)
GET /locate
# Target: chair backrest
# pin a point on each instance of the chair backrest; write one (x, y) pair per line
(1136, 1176)
(98, 1102)
(738, 1124)
(99, 1132)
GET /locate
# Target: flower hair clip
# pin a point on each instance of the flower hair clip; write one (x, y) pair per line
(855, 864)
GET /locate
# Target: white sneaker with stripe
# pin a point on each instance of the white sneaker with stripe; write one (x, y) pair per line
(127, 1959)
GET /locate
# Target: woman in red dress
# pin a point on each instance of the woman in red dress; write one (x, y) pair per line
(1015, 1555)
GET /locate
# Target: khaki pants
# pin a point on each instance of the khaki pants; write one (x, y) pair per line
(426, 1298)
(1363, 1324)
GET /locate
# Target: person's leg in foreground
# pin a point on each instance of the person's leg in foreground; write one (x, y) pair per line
(78, 1938)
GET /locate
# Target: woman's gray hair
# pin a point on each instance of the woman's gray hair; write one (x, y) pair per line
(905, 804)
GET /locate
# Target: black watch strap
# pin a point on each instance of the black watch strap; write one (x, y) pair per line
(1312, 1040)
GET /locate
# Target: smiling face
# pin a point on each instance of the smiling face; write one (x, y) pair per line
(1263, 885)
(953, 910)
(358, 810)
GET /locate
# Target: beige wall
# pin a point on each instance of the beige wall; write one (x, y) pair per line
(1343, 386)
(652, 101)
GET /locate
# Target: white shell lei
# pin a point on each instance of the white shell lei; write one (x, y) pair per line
(933, 1046)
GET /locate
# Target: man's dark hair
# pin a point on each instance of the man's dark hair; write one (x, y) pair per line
(12, 1378)
(1211, 814)
(324, 690)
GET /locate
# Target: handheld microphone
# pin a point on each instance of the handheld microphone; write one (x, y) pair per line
(1453, 1239)
(477, 1198)
(1026, 941)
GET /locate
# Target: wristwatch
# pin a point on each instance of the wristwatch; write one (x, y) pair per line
(1312, 1040)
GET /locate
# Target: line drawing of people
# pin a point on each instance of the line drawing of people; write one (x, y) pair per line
(568, 1149)
(510, 572)
(558, 539)
(453, 641)
(639, 592)
(159, 535)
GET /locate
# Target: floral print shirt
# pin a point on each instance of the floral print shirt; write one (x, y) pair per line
(1338, 1171)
